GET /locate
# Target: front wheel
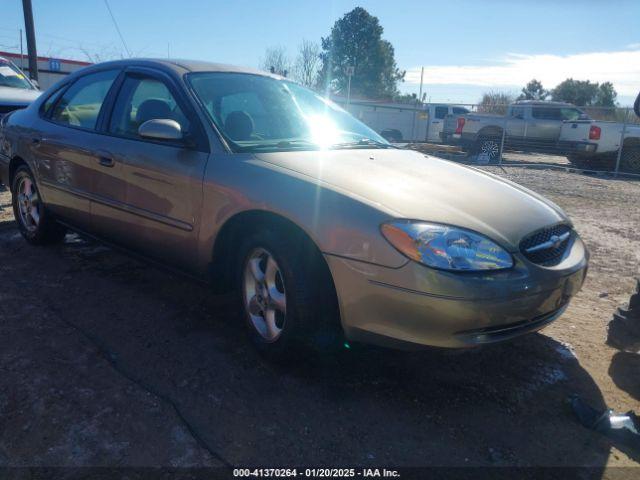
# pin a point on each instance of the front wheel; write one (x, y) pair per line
(285, 294)
(35, 223)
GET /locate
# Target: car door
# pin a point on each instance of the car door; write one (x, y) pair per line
(515, 126)
(544, 126)
(67, 146)
(160, 213)
(436, 122)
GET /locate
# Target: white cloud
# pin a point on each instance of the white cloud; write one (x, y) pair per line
(622, 68)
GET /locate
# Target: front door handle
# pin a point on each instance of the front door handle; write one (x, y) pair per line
(106, 161)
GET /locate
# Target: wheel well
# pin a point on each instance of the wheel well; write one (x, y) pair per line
(229, 238)
(13, 166)
(490, 132)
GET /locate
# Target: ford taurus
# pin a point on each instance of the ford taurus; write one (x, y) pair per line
(262, 186)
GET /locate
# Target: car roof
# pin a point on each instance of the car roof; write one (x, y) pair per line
(178, 66)
(543, 103)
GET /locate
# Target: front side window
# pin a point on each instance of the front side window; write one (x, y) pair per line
(81, 103)
(441, 112)
(11, 77)
(259, 113)
(142, 99)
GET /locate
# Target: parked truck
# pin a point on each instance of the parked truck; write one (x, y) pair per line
(594, 144)
(528, 126)
(405, 122)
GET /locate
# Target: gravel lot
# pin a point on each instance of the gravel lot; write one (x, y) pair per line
(107, 361)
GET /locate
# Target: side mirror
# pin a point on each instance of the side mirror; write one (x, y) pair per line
(161, 129)
(636, 106)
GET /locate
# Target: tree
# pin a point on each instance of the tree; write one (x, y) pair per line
(578, 92)
(307, 63)
(585, 93)
(534, 91)
(606, 95)
(495, 102)
(356, 40)
(276, 61)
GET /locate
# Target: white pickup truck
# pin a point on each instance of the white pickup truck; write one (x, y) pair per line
(594, 144)
(16, 90)
(405, 122)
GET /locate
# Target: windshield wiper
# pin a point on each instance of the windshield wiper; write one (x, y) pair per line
(278, 146)
(363, 142)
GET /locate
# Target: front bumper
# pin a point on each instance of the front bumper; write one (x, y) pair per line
(414, 305)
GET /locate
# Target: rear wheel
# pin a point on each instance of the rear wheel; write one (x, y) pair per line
(489, 146)
(287, 299)
(630, 159)
(593, 162)
(35, 223)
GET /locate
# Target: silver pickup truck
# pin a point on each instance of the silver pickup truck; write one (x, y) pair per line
(16, 90)
(528, 126)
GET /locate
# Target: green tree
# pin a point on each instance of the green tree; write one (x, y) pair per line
(585, 93)
(606, 96)
(534, 91)
(356, 40)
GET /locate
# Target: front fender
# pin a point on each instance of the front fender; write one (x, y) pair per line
(337, 222)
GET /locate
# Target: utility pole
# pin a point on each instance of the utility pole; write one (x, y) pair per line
(31, 39)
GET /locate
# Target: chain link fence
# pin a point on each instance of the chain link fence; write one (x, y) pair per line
(599, 139)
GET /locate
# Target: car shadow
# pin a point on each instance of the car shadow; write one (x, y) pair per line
(501, 405)
(625, 373)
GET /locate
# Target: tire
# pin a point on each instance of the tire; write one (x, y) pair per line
(490, 146)
(296, 295)
(598, 162)
(35, 222)
(630, 159)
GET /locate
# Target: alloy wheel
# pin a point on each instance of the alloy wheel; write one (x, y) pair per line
(28, 204)
(264, 294)
(491, 148)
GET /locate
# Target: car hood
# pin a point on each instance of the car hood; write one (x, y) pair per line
(407, 184)
(17, 96)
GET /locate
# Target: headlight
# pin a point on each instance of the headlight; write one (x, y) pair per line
(446, 247)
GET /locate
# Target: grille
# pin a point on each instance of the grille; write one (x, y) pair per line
(550, 255)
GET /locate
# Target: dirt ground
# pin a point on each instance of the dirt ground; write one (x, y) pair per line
(105, 361)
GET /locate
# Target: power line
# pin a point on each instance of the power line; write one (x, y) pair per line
(117, 28)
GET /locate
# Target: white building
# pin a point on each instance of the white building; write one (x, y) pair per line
(50, 70)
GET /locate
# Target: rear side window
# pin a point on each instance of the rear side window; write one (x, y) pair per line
(441, 112)
(459, 110)
(546, 113)
(81, 103)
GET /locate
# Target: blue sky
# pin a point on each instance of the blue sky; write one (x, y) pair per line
(467, 47)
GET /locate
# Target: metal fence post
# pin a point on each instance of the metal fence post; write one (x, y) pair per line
(624, 131)
(504, 129)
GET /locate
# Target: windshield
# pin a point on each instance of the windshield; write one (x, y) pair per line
(10, 76)
(259, 113)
